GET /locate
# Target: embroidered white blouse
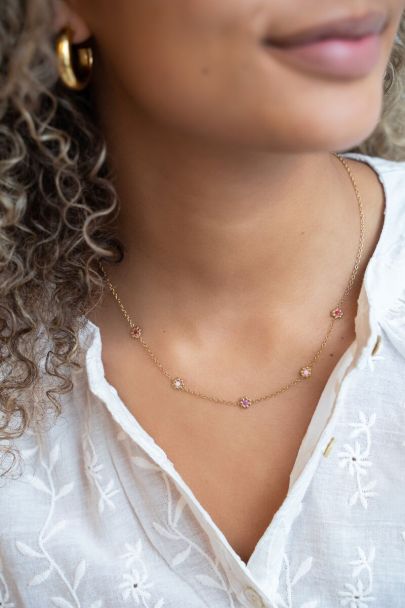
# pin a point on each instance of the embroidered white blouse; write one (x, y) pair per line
(101, 518)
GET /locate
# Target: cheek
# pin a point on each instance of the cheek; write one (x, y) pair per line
(303, 112)
(201, 71)
(178, 60)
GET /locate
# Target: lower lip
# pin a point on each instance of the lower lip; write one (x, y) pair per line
(339, 57)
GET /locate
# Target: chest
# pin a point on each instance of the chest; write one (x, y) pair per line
(236, 462)
(136, 534)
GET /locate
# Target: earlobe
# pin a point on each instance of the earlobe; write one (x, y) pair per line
(65, 15)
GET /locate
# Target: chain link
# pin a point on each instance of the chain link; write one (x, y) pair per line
(309, 366)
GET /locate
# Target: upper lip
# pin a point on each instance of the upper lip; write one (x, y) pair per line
(347, 27)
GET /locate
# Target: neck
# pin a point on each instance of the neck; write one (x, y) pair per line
(229, 227)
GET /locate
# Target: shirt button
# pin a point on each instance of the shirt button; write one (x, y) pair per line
(254, 598)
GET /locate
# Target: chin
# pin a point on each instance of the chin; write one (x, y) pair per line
(323, 116)
(336, 129)
(343, 135)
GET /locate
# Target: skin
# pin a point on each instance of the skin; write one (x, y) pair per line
(240, 227)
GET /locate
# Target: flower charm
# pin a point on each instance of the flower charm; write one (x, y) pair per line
(178, 384)
(244, 402)
(136, 332)
(336, 313)
(306, 372)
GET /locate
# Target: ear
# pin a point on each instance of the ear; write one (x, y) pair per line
(65, 15)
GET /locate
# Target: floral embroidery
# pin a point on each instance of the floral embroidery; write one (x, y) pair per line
(358, 594)
(173, 532)
(355, 596)
(355, 458)
(289, 583)
(136, 583)
(4, 592)
(93, 470)
(47, 487)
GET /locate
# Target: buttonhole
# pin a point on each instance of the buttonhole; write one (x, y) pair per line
(329, 447)
(377, 346)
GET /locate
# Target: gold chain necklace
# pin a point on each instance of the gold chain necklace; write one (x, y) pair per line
(304, 373)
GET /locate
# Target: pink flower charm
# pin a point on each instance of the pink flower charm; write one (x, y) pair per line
(336, 313)
(178, 384)
(136, 332)
(306, 372)
(244, 402)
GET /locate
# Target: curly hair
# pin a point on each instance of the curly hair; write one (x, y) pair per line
(57, 212)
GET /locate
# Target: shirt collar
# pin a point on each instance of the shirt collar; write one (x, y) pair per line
(381, 304)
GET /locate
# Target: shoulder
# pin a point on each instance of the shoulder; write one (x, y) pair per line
(380, 164)
(385, 276)
(382, 185)
(380, 177)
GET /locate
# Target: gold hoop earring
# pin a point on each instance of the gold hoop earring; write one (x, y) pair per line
(74, 68)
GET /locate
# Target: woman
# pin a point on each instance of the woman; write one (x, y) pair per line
(203, 297)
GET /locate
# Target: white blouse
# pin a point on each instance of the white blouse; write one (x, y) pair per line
(101, 518)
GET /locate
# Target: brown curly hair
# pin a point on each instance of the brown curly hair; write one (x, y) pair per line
(57, 212)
